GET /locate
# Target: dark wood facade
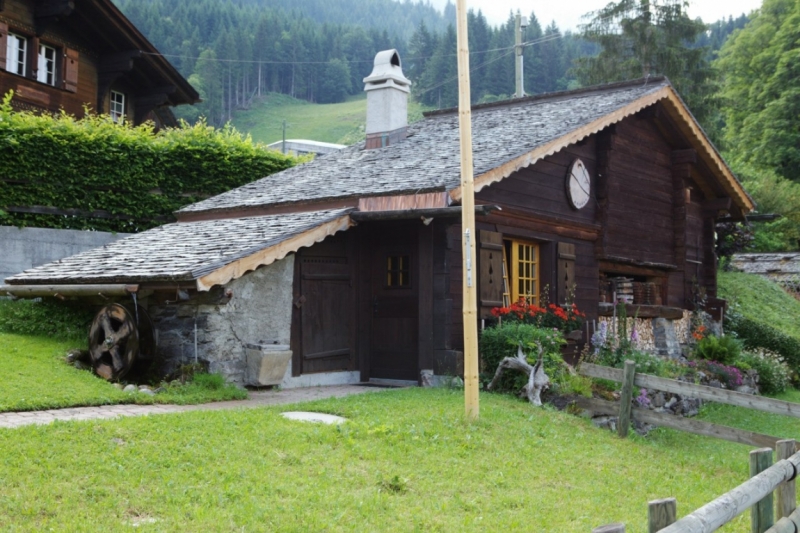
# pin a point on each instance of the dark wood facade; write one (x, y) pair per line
(95, 51)
(648, 218)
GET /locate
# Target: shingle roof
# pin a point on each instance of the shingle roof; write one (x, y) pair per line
(176, 252)
(428, 159)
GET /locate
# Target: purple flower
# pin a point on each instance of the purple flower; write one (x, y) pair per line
(642, 399)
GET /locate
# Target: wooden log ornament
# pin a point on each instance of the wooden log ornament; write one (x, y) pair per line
(538, 381)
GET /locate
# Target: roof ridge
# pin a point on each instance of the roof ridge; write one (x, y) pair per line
(556, 94)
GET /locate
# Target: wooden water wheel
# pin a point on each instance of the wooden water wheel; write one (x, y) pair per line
(113, 342)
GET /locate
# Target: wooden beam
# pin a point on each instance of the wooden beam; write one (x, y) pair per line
(717, 204)
(274, 253)
(698, 427)
(690, 390)
(38, 291)
(635, 262)
(49, 11)
(642, 311)
(405, 214)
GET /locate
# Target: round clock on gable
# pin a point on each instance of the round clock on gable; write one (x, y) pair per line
(578, 184)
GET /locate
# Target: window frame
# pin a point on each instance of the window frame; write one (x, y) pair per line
(533, 298)
(117, 115)
(399, 272)
(24, 63)
(43, 61)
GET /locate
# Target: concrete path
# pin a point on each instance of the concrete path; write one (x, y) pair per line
(257, 399)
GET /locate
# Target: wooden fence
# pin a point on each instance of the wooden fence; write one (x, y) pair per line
(756, 494)
(630, 379)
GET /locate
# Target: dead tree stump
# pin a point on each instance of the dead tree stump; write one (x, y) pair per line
(538, 381)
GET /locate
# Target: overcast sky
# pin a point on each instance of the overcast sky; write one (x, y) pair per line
(567, 13)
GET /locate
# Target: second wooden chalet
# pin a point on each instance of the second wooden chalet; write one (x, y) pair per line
(350, 265)
(76, 54)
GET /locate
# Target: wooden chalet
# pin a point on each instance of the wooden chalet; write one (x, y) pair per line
(353, 261)
(78, 54)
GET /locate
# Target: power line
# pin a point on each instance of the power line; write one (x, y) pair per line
(354, 61)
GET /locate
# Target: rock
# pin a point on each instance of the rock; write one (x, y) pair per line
(80, 365)
(77, 355)
(119, 386)
(426, 378)
(144, 388)
(160, 390)
(689, 407)
(701, 376)
(457, 383)
(147, 392)
(744, 389)
(671, 403)
(717, 384)
(130, 388)
(658, 400)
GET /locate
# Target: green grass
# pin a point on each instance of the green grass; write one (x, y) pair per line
(335, 123)
(33, 376)
(406, 461)
(761, 300)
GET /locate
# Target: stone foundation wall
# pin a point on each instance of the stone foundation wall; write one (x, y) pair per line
(660, 335)
(254, 309)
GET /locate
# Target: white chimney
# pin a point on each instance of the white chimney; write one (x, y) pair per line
(387, 101)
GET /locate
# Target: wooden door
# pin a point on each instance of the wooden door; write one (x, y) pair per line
(327, 314)
(394, 348)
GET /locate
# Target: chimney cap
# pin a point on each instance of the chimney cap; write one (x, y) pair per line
(387, 66)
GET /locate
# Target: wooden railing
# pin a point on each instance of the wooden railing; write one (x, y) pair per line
(756, 494)
(630, 379)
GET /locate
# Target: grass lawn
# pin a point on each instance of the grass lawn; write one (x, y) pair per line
(33, 376)
(406, 461)
(336, 123)
(761, 300)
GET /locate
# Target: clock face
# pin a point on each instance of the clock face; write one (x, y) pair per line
(579, 185)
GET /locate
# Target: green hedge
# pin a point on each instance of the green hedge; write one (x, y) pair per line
(95, 164)
(755, 335)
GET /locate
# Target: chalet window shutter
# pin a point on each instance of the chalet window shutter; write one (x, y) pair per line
(71, 70)
(565, 272)
(3, 44)
(490, 263)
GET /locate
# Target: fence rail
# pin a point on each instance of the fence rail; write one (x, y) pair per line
(765, 478)
(756, 494)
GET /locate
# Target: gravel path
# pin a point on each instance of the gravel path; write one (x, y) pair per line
(257, 399)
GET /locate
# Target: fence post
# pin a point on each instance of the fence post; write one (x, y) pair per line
(661, 513)
(610, 528)
(787, 495)
(762, 515)
(624, 422)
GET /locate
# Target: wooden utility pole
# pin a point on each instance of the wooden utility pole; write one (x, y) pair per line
(468, 239)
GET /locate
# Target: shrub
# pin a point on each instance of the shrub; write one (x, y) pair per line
(725, 349)
(755, 335)
(773, 372)
(48, 318)
(502, 341)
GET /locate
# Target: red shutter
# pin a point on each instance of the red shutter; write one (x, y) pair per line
(3, 44)
(490, 264)
(71, 70)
